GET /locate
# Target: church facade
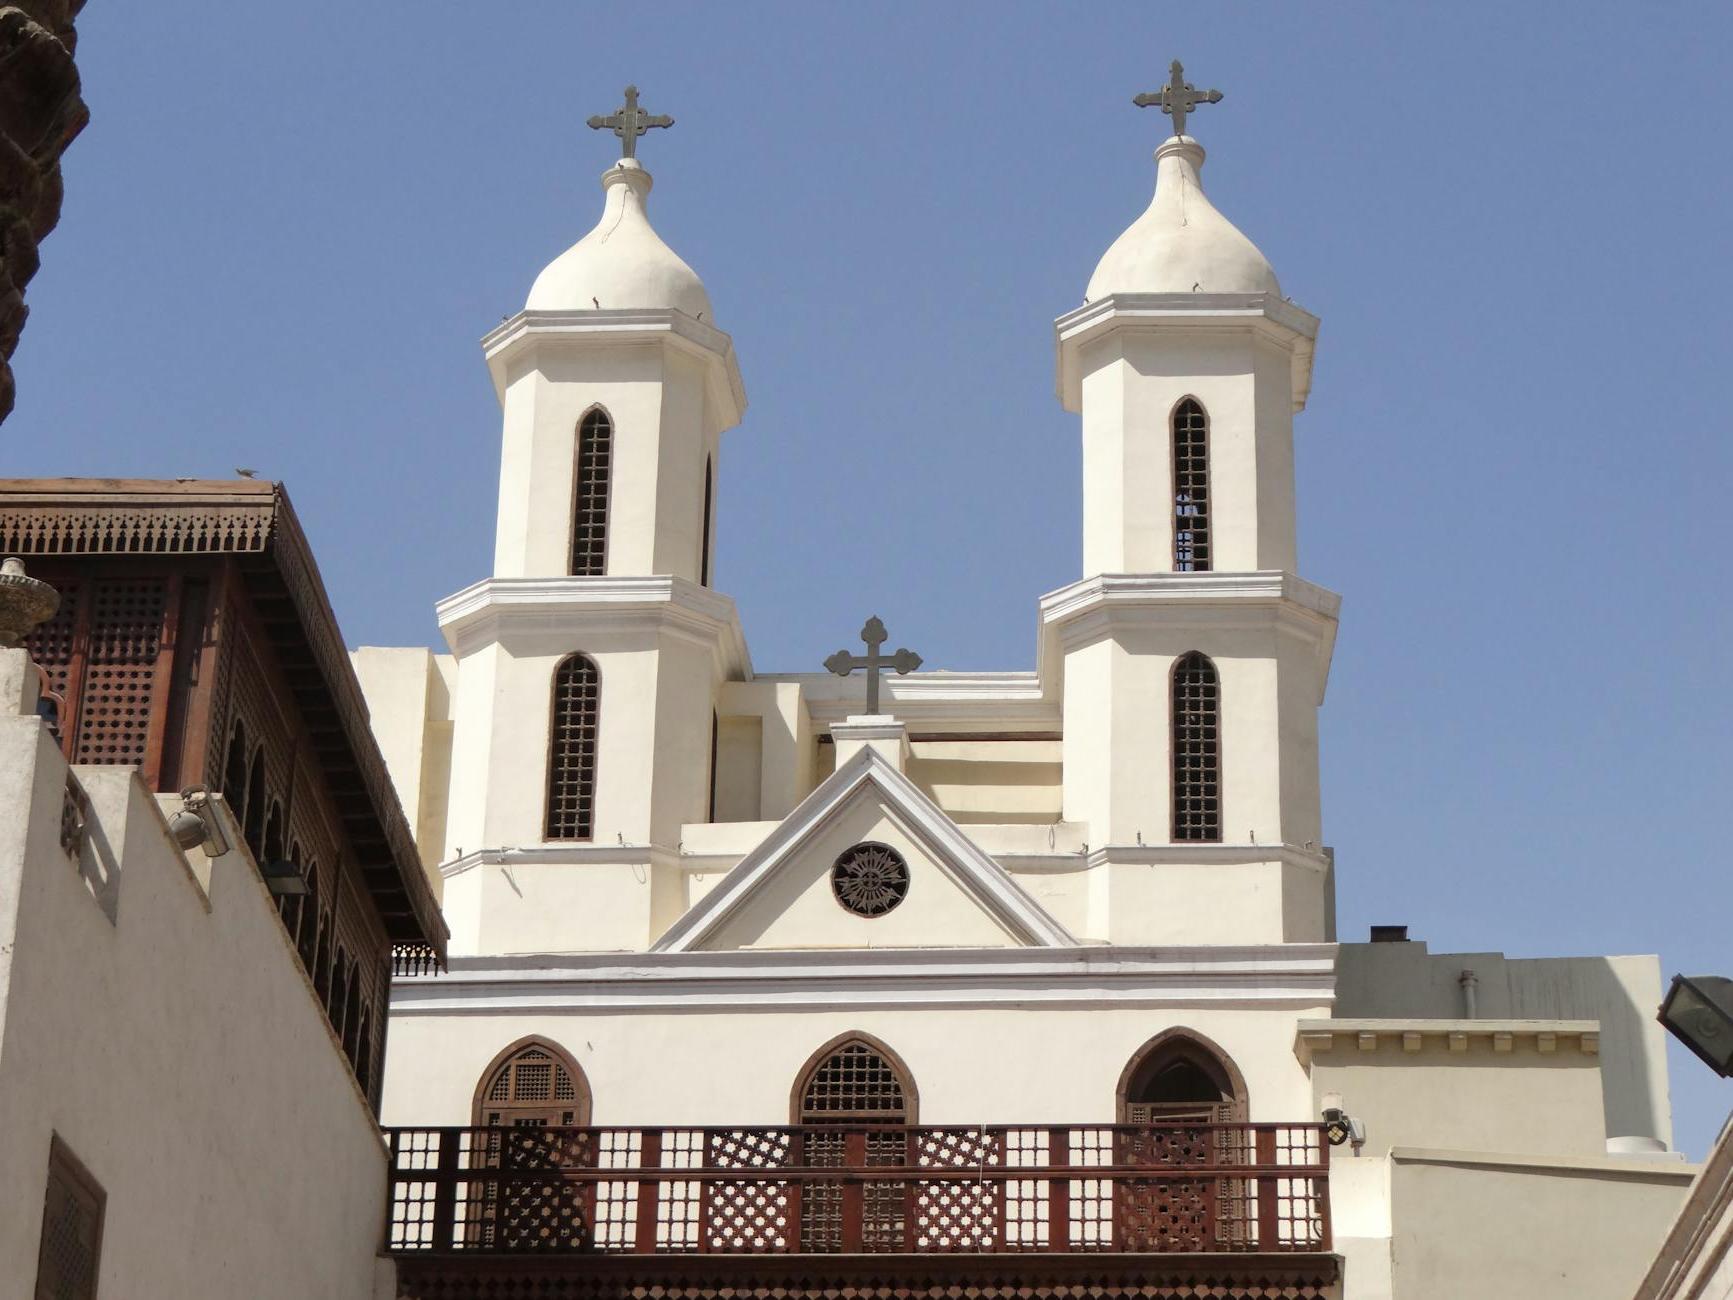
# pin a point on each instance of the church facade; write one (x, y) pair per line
(1017, 980)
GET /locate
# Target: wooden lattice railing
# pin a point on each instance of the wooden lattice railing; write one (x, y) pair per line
(1189, 1188)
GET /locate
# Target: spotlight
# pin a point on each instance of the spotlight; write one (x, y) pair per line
(1699, 1012)
(197, 823)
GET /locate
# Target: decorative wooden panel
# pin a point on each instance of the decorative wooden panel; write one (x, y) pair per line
(70, 1254)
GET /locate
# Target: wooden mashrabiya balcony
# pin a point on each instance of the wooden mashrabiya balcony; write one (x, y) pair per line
(1188, 1209)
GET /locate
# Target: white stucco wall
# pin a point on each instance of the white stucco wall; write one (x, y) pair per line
(172, 1041)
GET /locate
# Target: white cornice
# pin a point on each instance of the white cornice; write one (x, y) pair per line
(561, 855)
(1290, 976)
(496, 608)
(1093, 607)
(983, 879)
(1262, 314)
(618, 328)
(1350, 1037)
(1211, 855)
(984, 701)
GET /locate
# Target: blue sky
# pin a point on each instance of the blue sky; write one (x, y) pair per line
(287, 227)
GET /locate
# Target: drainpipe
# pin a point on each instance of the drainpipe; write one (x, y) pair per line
(1470, 982)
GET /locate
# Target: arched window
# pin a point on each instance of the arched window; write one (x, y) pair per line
(595, 456)
(253, 825)
(533, 1084)
(572, 749)
(850, 1083)
(1190, 439)
(852, 1080)
(1180, 1076)
(1196, 744)
(704, 537)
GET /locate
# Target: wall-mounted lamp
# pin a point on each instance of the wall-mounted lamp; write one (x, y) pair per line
(1699, 1012)
(1340, 1127)
(197, 823)
(284, 880)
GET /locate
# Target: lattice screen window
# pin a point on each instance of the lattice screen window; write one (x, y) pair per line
(69, 1257)
(532, 1088)
(120, 670)
(595, 458)
(572, 750)
(1197, 803)
(854, 1084)
(1191, 549)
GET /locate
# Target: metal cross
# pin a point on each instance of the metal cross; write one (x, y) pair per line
(1177, 98)
(842, 663)
(629, 122)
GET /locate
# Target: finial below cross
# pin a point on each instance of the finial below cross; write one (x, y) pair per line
(629, 122)
(842, 663)
(1177, 98)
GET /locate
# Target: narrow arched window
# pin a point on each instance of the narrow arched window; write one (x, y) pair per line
(704, 537)
(253, 823)
(532, 1084)
(595, 458)
(572, 749)
(1196, 744)
(1190, 429)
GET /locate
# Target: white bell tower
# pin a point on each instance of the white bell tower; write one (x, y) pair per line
(589, 663)
(1194, 657)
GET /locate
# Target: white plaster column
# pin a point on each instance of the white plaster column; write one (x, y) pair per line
(877, 731)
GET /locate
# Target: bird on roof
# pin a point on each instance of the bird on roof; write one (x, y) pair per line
(247, 473)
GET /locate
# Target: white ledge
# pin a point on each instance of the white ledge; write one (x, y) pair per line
(487, 610)
(504, 343)
(1291, 976)
(1314, 1036)
(1265, 314)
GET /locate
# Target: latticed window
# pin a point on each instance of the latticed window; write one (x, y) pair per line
(68, 1259)
(1191, 551)
(595, 460)
(853, 1084)
(572, 749)
(534, 1087)
(1197, 803)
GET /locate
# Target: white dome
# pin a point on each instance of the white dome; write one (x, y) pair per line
(623, 262)
(1181, 244)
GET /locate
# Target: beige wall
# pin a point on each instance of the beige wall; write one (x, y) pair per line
(174, 1044)
(1472, 1099)
(1565, 1230)
(970, 1065)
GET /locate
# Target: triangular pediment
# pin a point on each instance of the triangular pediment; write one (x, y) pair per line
(780, 895)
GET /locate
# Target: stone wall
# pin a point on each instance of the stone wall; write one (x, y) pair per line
(41, 111)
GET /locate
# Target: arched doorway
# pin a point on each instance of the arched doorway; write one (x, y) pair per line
(532, 1109)
(853, 1099)
(1181, 1105)
(1180, 1075)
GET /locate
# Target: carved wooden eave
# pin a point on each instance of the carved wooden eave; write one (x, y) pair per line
(253, 522)
(471, 1275)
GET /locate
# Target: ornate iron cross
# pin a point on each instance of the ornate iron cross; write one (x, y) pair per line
(842, 663)
(1177, 98)
(629, 122)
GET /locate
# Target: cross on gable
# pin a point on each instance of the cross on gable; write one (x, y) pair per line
(842, 663)
(1178, 97)
(629, 122)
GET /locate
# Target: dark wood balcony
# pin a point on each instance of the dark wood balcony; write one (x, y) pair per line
(1193, 1189)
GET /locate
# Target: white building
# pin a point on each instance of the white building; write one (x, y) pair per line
(683, 892)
